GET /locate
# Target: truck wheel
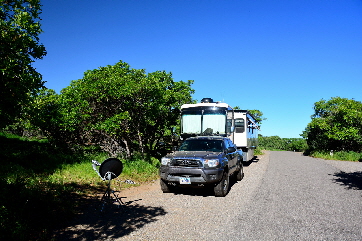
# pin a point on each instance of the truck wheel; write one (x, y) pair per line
(165, 187)
(240, 173)
(222, 188)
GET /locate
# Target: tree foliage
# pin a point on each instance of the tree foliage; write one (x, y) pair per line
(19, 47)
(256, 113)
(117, 107)
(336, 125)
(258, 116)
(285, 144)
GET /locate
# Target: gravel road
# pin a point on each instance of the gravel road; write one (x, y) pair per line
(283, 196)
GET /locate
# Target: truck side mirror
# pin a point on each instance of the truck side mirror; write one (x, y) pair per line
(231, 149)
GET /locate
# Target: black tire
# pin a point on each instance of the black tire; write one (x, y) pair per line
(165, 187)
(222, 188)
(240, 174)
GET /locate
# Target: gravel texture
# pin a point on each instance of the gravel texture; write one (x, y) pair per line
(283, 196)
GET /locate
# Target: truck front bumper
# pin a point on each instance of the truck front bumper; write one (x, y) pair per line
(196, 175)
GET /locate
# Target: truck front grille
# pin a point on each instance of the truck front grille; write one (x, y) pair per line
(186, 163)
(184, 175)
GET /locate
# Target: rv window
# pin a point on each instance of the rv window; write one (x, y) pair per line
(191, 124)
(216, 122)
(239, 125)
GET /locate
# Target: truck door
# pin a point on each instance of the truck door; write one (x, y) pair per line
(232, 156)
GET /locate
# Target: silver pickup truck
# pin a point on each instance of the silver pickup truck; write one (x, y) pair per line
(202, 161)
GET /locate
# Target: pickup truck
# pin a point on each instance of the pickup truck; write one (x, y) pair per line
(202, 161)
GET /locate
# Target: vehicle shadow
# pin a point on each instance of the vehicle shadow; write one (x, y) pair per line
(202, 192)
(114, 222)
(207, 191)
(352, 180)
(254, 160)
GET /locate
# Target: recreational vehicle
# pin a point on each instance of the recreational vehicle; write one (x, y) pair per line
(219, 119)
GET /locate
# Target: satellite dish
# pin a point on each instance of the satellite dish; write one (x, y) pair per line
(111, 165)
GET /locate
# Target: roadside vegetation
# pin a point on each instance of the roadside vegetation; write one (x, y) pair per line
(276, 143)
(43, 186)
(339, 155)
(335, 131)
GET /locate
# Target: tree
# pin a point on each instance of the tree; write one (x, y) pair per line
(336, 125)
(43, 113)
(256, 113)
(119, 108)
(258, 116)
(19, 47)
(285, 144)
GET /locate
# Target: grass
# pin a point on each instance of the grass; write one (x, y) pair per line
(258, 152)
(341, 156)
(43, 186)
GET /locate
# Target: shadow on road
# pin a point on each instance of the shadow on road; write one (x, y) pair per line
(351, 180)
(202, 191)
(115, 222)
(254, 160)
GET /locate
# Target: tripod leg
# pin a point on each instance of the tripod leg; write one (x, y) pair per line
(105, 199)
(119, 200)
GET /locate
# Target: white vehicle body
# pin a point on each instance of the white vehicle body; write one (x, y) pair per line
(244, 132)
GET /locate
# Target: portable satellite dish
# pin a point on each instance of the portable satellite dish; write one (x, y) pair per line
(112, 165)
(111, 168)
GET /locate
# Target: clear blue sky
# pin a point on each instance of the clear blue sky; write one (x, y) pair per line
(279, 56)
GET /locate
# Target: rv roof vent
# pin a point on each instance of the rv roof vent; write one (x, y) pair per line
(207, 100)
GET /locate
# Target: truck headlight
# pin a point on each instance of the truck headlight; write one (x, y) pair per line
(165, 161)
(211, 162)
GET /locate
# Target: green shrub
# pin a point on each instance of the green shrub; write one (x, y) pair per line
(258, 151)
(341, 155)
(276, 143)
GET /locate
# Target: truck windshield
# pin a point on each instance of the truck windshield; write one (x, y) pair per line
(202, 145)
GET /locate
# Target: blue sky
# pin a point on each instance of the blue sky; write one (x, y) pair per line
(279, 57)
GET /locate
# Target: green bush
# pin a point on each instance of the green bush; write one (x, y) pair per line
(276, 143)
(258, 151)
(341, 155)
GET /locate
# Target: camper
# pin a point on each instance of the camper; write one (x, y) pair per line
(209, 118)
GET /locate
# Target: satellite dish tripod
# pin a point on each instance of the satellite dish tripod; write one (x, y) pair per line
(108, 170)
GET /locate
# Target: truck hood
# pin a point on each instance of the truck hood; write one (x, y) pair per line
(193, 154)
